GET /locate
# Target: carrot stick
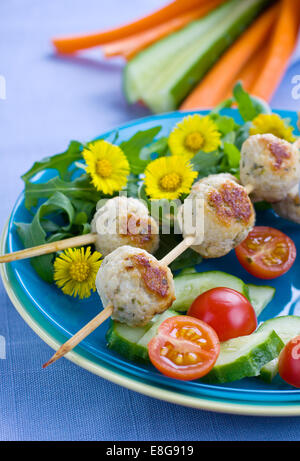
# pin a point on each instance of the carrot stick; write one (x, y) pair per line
(282, 45)
(129, 47)
(79, 42)
(249, 72)
(213, 88)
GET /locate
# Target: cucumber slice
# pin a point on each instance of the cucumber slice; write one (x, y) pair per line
(146, 66)
(123, 339)
(244, 356)
(260, 296)
(131, 342)
(188, 270)
(269, 371)
(189, 286)
(287, 327)
(144, 340)
(180, 72)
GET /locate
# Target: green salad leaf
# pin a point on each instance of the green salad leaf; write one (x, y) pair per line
(59, 162)
(34, 233)
(248, 106)
(206, 163)
(133, 147)
(79, 188)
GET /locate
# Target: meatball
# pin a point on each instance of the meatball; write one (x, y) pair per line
(124, 221)
(289, 208)
(228, 214)
(271, 165)
(136, 284)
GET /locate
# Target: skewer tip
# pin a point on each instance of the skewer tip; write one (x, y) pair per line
(50, 361)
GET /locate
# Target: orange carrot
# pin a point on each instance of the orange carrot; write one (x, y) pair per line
(74, 43)
(282, 45)
(129, 47)
(249, 72)
(213, 88)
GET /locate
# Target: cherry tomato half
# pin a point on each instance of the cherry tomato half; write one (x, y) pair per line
(266, 253)
(184, 348)
(289, 362)
(227, 311)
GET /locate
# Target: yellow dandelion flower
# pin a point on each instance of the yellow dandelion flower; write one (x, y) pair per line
(108, 166)
(169, 177)
(272, 123)
(75, 271)
(193, 134)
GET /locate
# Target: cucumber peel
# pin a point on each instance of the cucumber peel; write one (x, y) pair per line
(123, 339)
(244, 357)
(287, 327)
(269, 371)
(189, 286)
(132, 342)
(260, 296)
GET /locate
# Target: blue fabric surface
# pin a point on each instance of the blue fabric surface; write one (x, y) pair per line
(49, 101)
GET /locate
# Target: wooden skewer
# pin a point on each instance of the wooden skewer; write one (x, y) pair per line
(249, 188)
(49, 248)
(100, 318)
(180, 248)
(81, 334)
(80, 240)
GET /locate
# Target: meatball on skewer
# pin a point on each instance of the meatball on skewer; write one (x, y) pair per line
(121, 221)
(228, 214)
(136, 284)
(124, 221)
(289, 208)
(133, 286)
(270, 165)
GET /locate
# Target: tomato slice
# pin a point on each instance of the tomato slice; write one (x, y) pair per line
(184, 348)
(266, 253)
(289, 362)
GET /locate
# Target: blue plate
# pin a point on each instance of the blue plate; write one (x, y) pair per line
(55, 317)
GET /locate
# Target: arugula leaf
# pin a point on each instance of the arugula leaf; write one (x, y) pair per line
(233, 155)
(206, 162)
(34, 234)
(59, 162)
(249, 106)
(242, 134)
(227, 104)
(245, 103)
(132, 148)
(79, 188)
(157, 149)
(82, 207)
(226, 125)
(132, 187)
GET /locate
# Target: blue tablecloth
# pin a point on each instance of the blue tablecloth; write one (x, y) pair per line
(49, 101)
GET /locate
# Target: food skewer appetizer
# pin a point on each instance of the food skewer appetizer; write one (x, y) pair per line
(134, 286)
(269, 169)
(289, 207)
(271, 165)
(121, 221)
